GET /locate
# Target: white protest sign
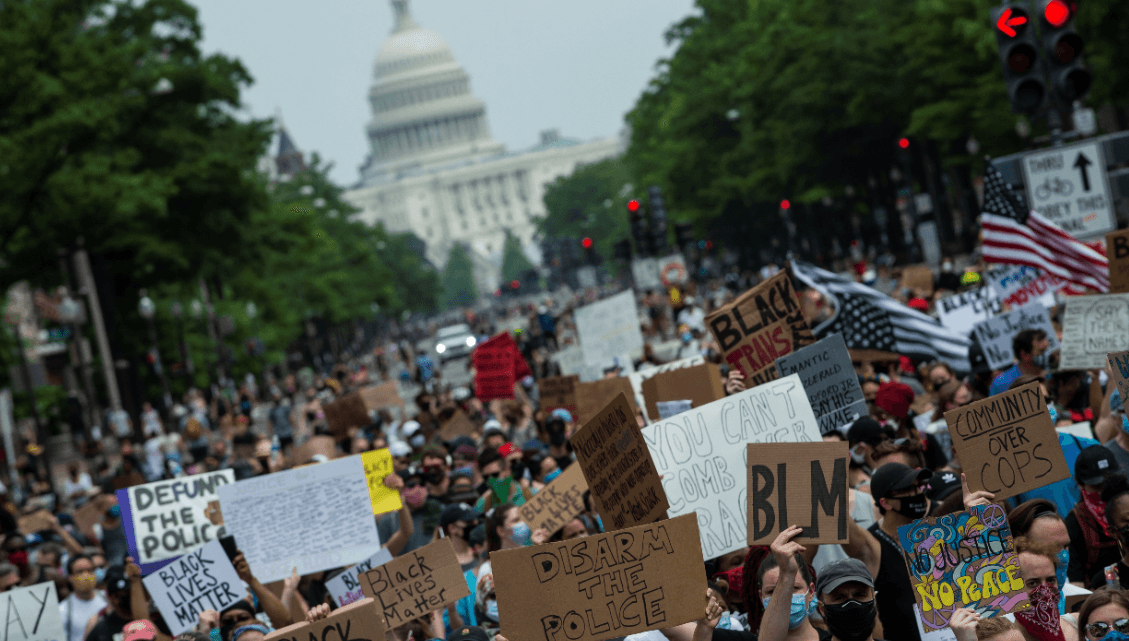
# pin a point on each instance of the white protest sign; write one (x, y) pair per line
(609, 327)
(345, 588)
(1017, 285)
(313, 518)
(32, 614)
(646, 273)
(829, 380)
(1081, 430)
(995, 334)
(203, 579)
(639, 376)
(702, 456)
(668, 409)
(1092, 327)
(960, 312)
(168, 518)
(570, 360)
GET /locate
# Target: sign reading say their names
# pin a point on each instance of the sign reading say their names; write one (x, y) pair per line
(609, 327)
(32, 613)
(416, 583)
(702, 457)
(345, 588)
(830, 381)
(1006, 443)
(1068, 185)
(558, 502)
(203, 579)
(995, 334)
(811, 479)
(166, 519)
(602, 586)
(1092, 327)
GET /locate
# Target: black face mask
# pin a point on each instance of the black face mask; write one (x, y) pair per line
(912, 507)
(850, 621)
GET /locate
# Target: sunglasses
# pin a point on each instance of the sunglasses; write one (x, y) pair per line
(1099, 629)
(492, 475)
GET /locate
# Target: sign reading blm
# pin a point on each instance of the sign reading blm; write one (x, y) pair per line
(810, 478)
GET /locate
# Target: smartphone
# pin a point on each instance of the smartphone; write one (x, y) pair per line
(228, 543)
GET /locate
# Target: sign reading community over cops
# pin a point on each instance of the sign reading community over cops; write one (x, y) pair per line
(609, 327)
(203, 579)
(811, 479)
(1068, 186)
(32, 613)
(995, 334)
(829, 380)
(1092, 327)
(702, 457)
(166, 519)
(602, 586)
(1007, 444)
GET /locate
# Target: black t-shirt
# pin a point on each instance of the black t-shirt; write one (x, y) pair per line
(894, 596)
(108, 628)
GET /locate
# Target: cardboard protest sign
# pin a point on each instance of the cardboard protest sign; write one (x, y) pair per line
(203, 579)
(32, 613)
(830, 381)
(1092, 327)
(960, 312)
(810, 478)
(759, 327)
(458, 425)
(609, 327)
(313, 518)
(618, 467)
(668, 409)
(345, 588)
(963, 560)
(1006, 443)
(919, 278)
(700, 384)
(378, 465)
(602, 586)
(416, 583)
(346, 412)
(639, 376)
(559, 392)
(324, 445)
(358, 621)
(558, 502)
(1117, 252)
(593, 397)
(494, 368)
(37, 521)
(166, 519)
(90, 513)
(995, 334)
(379, 396)
(1018, 285)
(701, 455)
(1119, 363)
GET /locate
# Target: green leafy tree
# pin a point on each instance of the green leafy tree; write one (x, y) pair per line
(458, 278)
(591, 202)
(514, 261)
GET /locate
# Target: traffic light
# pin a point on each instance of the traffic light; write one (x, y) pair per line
(586, 243)
(1019, 56)
(1070, 79)
(639, 229)
(785, 204)
(683, 234)
(590, 256)
(903, 143)
(658, 220)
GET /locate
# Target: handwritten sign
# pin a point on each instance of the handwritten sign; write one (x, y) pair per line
(203, 579)
(811, 478)
(759, 327)
(995, 334)
(358, 621)
(1006, 443)
(700, 385)
(1018, 285)
(609, 327)
(1117, 251)
(494, 368)
(919, 278)
(559, 392)
(701, 455)
(416, 583)
(32, 613)
(639, 376)
(618, 467)
(670, 409)
(1119, 363)
(313, 518)
(602, 586)
(378, 465)
(960, 312)
(963, 560)
(593, 397)
(1092, 327)
(830, 381)
(345, 588)
(321, 444)
(166, 519)
(558, 502)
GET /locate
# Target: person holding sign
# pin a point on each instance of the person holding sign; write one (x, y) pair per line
(1029, 347)
(787, 581)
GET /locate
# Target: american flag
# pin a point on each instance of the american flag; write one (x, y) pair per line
(868, 319)
(1015, 236)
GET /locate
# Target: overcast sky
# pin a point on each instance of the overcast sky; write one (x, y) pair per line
(577, 65)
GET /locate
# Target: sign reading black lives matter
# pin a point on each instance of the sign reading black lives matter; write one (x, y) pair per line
(1007, 444)
(829, 380)
(203, 579)
(602, 586)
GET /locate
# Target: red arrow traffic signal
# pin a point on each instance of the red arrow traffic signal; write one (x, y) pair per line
(1009, 19)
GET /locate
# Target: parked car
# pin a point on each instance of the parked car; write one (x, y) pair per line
(454, 341)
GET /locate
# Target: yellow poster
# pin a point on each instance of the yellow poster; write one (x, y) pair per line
(378, 464)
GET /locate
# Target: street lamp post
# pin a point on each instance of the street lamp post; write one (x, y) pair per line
(185, 355)
(147, 309)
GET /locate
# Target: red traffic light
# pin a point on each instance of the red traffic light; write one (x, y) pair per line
(784, 204)
(1012, 21)
(1056, 13)
(587, 242)
(514, 284)
(633, 206)
(904, 143)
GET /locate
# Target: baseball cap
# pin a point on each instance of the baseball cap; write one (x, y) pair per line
(472, 633)
(1093, 464)
(942, 485)
(563, 414)
(116, 580)
(399, 449)
(894, 477)
(492, 424)
(319, 458)
(895, 398)
(839, 572)
(458, 512)
(140, 630)
(867, 430)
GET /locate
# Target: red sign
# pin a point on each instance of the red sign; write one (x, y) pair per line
(498, 364)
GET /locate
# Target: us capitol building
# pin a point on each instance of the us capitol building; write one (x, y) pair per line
(433, 169)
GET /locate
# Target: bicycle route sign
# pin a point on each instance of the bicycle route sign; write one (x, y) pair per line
(1069, 185)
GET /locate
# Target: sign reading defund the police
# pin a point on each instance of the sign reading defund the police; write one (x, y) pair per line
(1068, 186)
(602, 586)
(167, 518)
(32, 614)
(702, 457)
(830, 381)
(203, 579)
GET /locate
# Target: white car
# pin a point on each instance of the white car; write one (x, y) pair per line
(454, 341)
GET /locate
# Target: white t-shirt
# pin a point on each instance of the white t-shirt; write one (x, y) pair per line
(76, 613)
(70, 488)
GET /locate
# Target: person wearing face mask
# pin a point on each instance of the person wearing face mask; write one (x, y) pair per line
(500, 484)
(1092, 544)
(1115, 496)
(117, 613)
(1105, 616)
(1039, 520)
(892, 409)
(788, 592)
(505, 530)
(1042, 621)
(434, 461)
(424, 512)
(1029, 346)
(84, 601)
(864, 435)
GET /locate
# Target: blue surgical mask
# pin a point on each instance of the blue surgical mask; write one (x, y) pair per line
(1125, 423)
(1114, 635)
(1062, 560)
(552, 475)
(799, 611)
(492, 610)
(1054, 413)
(724, 623)
(100, 574)
(521, 533)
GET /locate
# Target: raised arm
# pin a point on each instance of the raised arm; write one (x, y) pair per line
(276, 612)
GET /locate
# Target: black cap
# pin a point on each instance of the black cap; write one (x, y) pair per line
(472, 633)
(867, 430)
(942, 485)
(458, 512)
(477, 536)
(837, 573)
(894, 477)
(1093, 464)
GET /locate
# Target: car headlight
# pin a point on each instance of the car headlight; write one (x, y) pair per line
(470, 341)
(440, 348)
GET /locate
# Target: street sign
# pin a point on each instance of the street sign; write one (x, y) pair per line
(1068, 185)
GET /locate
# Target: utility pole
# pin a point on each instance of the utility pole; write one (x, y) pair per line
(87, 285)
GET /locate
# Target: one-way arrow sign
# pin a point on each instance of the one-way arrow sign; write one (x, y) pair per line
(1081, 164)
